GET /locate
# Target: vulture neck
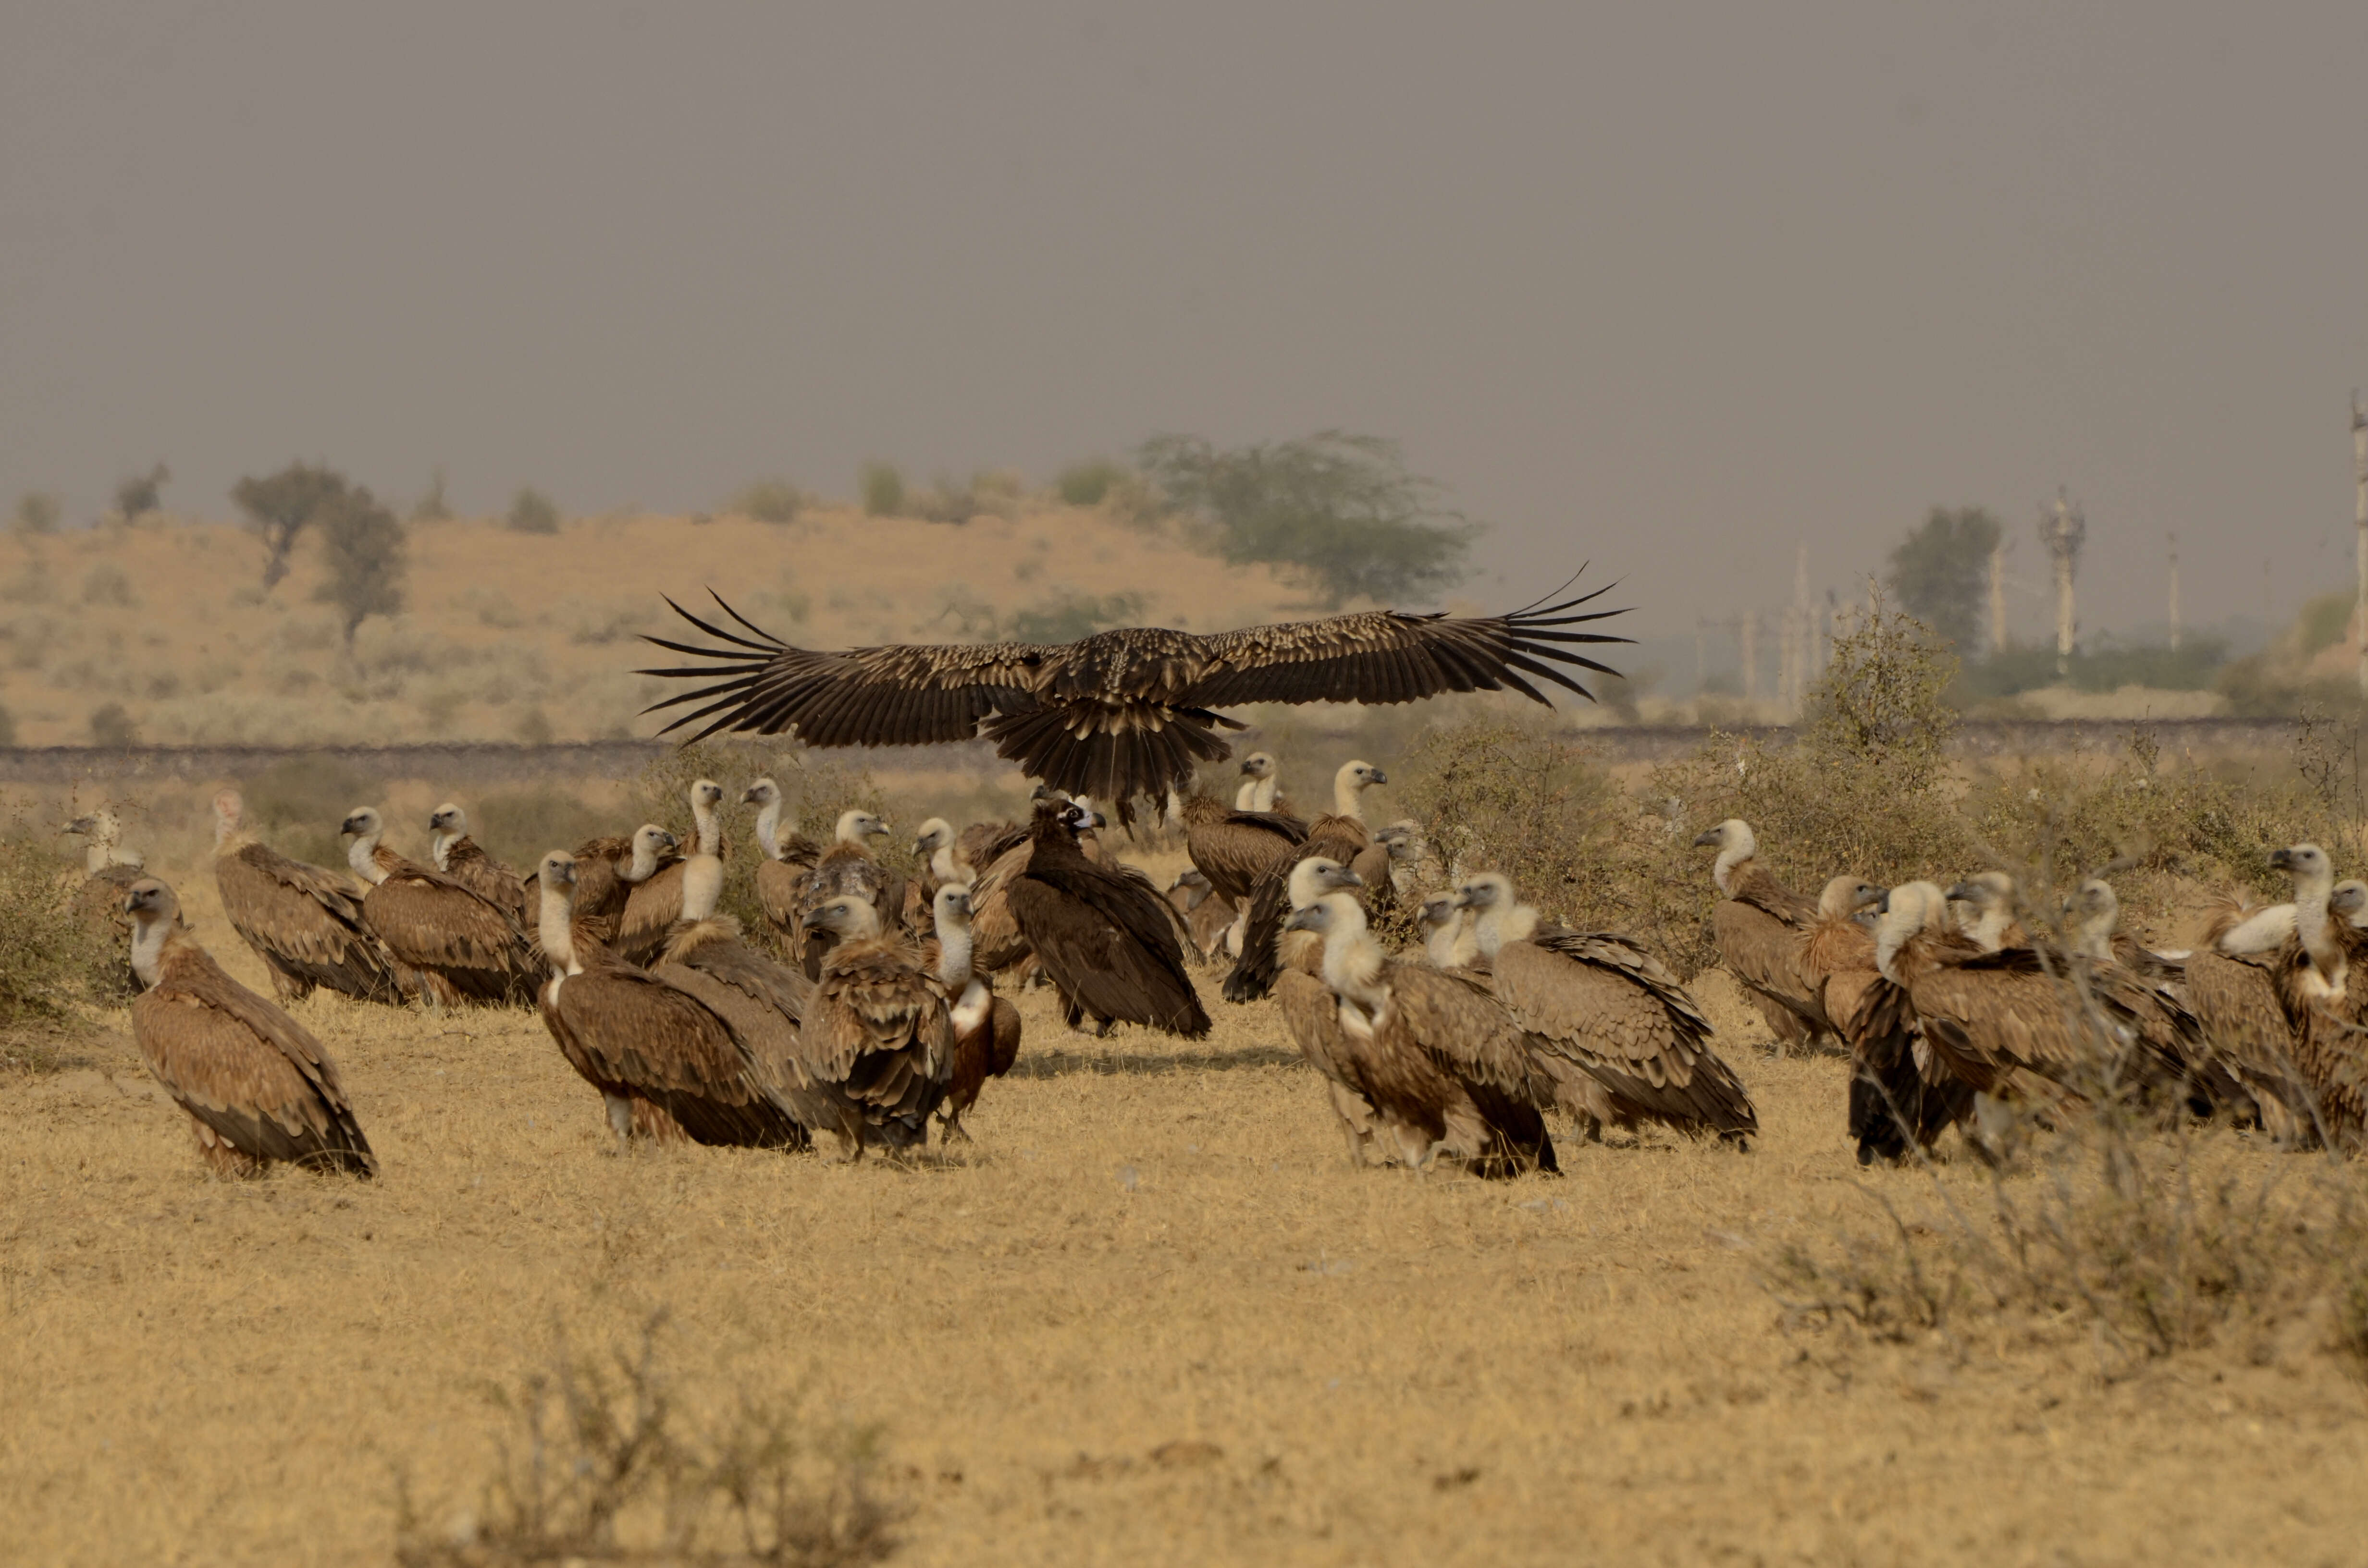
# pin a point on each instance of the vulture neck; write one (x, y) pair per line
(702, 886)
(1257, 795)
(439, 848)
(703, 816)
(2317, 937)
(1497, 925)
(1346, 795)
(1352, 968)
(946, 868)
(1451, 944)
(953, 953)
(361, 858)
(769, 829)
(148, 949)
(1988, 929)
(99, 854)
(645, 862)
(555, 924)
(226, 829)
(1054, 844)
(2094, 939)
(1732, 859)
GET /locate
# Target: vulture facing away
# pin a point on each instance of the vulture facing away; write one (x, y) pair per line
(257, 1085)
(304, 923)
(877, 1037)
(1103, 934)
(1119, 714)
(1759, 923)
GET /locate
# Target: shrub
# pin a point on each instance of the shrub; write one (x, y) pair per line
(141, 493)
(1942, 570)
(1088, 483)
(105, 583)
(296, 805)
(49, 952)
(882, 489)
(280, 507)
(950, 500)
(364, 548)
(431, 506)
(533, 512)
(112, 725)
(2323, 621)
(37, 512)
(519, 826)
(2192, 666)
(769, 500)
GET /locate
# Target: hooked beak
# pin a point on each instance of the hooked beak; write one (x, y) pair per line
(1308, 919)
(1965, 892)
(2281, 859)
(1703, 840)
(1883, 902)
(1380, 777)
(813, 922)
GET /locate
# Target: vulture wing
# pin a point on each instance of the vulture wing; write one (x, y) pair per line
(665, 1044)
(1313, 1014)
(432, 922)
(1332, 838)
(2246, 1031)
(1763, 952)
(1236, 850)
(304, 923)
(1110, 943)
(996, 940)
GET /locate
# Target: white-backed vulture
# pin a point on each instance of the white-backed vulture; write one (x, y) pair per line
(1442, 1067)
(257, 1085)
(304, 923)
(655, 902)
(781, 873)
(1614, 1034)
(878, 1035)
(1259, 782)
(1122, 714)
(986, 1026)
(1106, 938)
(463, 947)
(2324, 988)
(1338, 834)
(462, 859)
(1897, 1100)
(1759, 925)
(848, 870)
(636, 1035)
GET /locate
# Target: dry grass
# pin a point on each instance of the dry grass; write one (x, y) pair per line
(1150, 1317)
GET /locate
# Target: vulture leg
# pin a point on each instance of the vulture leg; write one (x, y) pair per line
(621, 1119)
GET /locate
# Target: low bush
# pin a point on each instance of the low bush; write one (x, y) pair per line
(533, 512)
(882, 489)
(770, 501)
(51, 949)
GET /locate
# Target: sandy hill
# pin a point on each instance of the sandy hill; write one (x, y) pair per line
(514, 636)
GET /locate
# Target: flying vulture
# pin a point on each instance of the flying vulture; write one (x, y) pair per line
(1122, 713)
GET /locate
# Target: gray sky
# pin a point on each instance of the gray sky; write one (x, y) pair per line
(1675, 289)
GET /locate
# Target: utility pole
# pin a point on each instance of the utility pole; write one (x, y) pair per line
(2062, 532)
(2360, 524)
(1797, 633)
(2174, 594)
(1749, 637)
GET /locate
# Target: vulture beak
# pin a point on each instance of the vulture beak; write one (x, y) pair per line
(813, 922)
(1380, 777)
(2281, 859)
(1882, 903)
(79, 825)
(1704, 840)
(749, 796)
(1308, 919)
(1461, 900)
(1964, 892)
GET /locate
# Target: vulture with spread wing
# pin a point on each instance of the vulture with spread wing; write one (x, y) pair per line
(1122, 713)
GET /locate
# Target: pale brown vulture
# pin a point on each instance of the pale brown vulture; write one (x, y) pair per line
(1103, 934)
(256, 1083)
(1985, 904)
(2153, 986)
(986, 1026)
(1120, 714)
(782, 874)
(878, 1036)
(1758, 924)
(1614, 1034)
(636, 1035)
(1259, 783)
(462, 859)
(1441, 1066)
(1448, 940)
(108, 872)
(463, 947)
(304, 923)
(655, 902)
(2324, 988)
(1338, 834)
(1898, 1100)
(1309, 1007)
(1207, 913)
(848, 870)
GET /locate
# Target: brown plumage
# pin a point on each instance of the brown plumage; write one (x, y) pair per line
(1759, 925)
(1340, 834)
(986, 1026)
(109, 872)
(1432, 1057)
(848, 870)
(257, 1085)
(1232, 849)
(304, 923)
(782, 874)
(1207, 913)
(1896, 1101)
(2323, 985)
(2245, 1028)
(463, 947)
(655, 903)
(1614, 1034)
(1122, 713)
(635, 1036)
(1104, 935)
(460, 858)
(877, 1036)
(998, 944)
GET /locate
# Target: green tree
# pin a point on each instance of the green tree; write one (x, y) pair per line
(36, 513)
(884, 490)
(1942, 570)
(280, 507)
(1340, 510)
(363, 546)
(141, 493)
(533, 512)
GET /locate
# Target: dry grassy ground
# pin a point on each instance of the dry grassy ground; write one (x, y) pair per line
(1150, 1317)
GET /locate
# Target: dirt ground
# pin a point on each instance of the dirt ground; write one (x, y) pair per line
(1151, 1315)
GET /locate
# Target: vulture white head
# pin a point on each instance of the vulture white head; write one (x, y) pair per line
(950, 908)
(936, 834)
(229, 815)
(1315, 877)
(1447, 938)
(1845, 896)
(1352, 960)
(447, 826)
(555, 880)
(155, 912)
(763, 792)
(2314, 884)
(652, 844)
(1403, 840)
(1736, 842)
(1498, 917)
(1990, 897)
(1909, 909)
(2347, 901)
(854, 827)
(1349, 783)
(361, 830)
(848, 919)
(2090, 916)
(1259, 764)
(2313, 872)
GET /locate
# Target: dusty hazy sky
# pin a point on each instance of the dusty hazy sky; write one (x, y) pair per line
(1672, 287)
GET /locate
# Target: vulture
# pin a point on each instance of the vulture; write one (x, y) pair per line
(940, 853)
(639, 1039)
(1429, 1062)
(655, 902)
(103, 852)
(1258, 784)
(1207, 913)
(782, 874)
(986, 1026)
(1234, 849)
(1615, 1037)
(997, 941)
(848, 870)
(462, 945)
(1987, 900)
(2235, 1001)
(304, 923)
(878, 1035)
(1759, 925)
(1894, 1102)
(1338, 834)
(1448, 940)
(1119, 714)
(459, 857)
(1103, 934)
(1310, 1009)
(2151, 983)
(607, 872)
(256, 1083)
(2324, 988)
(110, 871)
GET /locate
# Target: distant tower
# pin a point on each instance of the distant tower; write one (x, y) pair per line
(2360, 523)
(1803, 639)
(2062, 531)
(2174, 593)
(1748, 635)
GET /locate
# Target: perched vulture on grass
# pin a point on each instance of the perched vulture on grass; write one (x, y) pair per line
(1120, 714)
(462, 945)
(2324, 988)
(304, 923)
(848, 870)
(655, 902)
(460, 858)
(1758, 924)
(1894, 1102)
(788, 862)
(257, 1085)
(987, 1026)
(878, 1036)
(1105, 936)
(1259, 783)
(1340, 834)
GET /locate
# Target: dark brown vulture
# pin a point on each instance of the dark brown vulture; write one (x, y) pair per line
(1759, 926)
(635, 1036)
(2153, 987)
(1895, 1103)
(257, 1085)
(987, 1026)
(848, 870)
(1438, 1061)
(877, 1037)
(1103, 934)
(1338, 834)
(1613, 1033)
(304, 923)
(463, 947)
(1120, 714)
(460, 858)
